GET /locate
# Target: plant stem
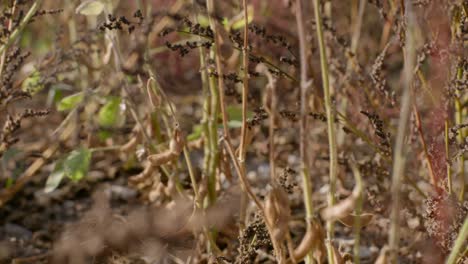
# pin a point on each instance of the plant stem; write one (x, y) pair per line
(330, 125)
(245, 88)
(357, 211)
(219, 68)
(447, 157)
(399, 158)
(198, 203)
(305, 83)
(213, 141)
(245, 92)
(19, 29)
(10, 25)
(424, 145)
(459, 242)
(461, 136)
(209, 122)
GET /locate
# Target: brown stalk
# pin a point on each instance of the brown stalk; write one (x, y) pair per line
(219, 68)
(245, 88)
(424, 145)
(270, 103)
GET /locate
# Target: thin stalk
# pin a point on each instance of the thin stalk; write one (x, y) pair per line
(9, 27)
(305, 83)
(424, 145)
(461, 136)
(245, 92)
(252, 56)
(330, 125)
(219, 68)
(447, 157)
(271, 131)
(245, 88)
(459, 242)
(19, 29)
(357, 211)
(198, 203)
(213, 140)
(209, 125)
(399, 158)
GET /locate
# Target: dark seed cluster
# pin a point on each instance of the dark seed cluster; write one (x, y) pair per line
(319, 116)
(260, 114)
(13, 61)
(292, 116)
(48, 12)
(380, 132)
(270, 38)
(13, 124)
(286, 181)
(453, 132)
(378, 77)
(122, 23)
(255, 236)
(184, 49)
(444, 216)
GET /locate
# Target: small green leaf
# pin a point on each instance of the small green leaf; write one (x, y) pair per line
(240, 23)
(234, 124)
(196, 134)
(110, 114)
(32, 83)
(76, 164)
(9, 182)
(235, 113)
(70, 101)
(55, 177)
(90, 8)
(203, 20)
(104, 134)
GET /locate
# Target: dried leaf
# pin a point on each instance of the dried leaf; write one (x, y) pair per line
(338, 259)
(311, 240)
(349, 219)
(175, 148)
(90, 8)
(277, 212)
(341, 209)
(383, 256)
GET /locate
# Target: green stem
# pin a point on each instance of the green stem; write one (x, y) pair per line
(357, 211)
(306, 183)
(330, 125)
(459, 242)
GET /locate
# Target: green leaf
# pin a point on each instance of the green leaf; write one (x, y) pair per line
(234, 124)
(237, 24)
(55, 177)
(203, 20)
(70, 101)
(32, 83)
(235, 113)
(90, 8)
(235, 116)
(9, 182)
(196, 134)
(76, 164)
(104, 134)
(110, 114)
